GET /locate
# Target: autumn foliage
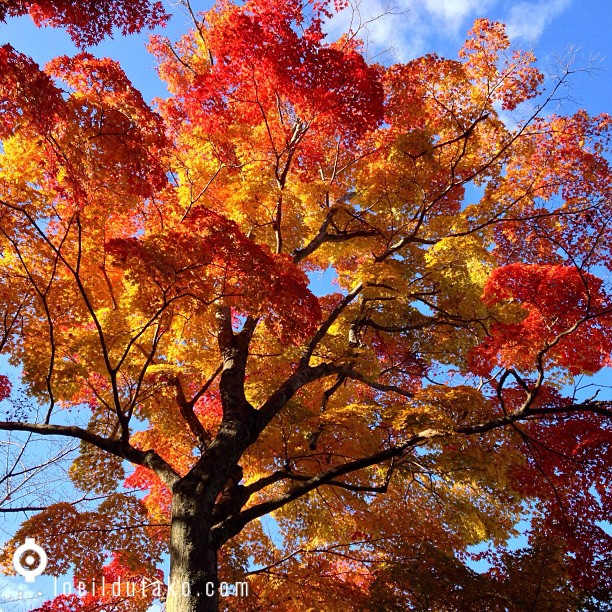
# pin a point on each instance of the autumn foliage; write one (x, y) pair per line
(159, 287)
(90, 21)
(567, 320)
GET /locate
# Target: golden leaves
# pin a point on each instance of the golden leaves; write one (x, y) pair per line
(73, 537)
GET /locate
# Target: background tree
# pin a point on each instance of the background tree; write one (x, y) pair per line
(89, 21)
(155, 270)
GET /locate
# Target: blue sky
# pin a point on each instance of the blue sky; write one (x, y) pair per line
(551, 28)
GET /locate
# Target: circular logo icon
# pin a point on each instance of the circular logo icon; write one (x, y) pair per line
(25, 560)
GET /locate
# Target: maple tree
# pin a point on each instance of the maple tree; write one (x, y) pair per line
(89, 21)
(155, 288)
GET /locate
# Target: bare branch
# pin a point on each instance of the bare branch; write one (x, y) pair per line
(119, 448)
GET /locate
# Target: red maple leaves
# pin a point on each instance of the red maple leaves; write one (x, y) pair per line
(208, 258)
(567, 320)
(27, 95)
(89, 21)
(5, 387)
(270, 58)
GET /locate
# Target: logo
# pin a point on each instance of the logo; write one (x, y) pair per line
(30, 560)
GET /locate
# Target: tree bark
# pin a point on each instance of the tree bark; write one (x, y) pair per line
(193, 585)
(209, 493)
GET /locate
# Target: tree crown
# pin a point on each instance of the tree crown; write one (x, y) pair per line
(155, 272)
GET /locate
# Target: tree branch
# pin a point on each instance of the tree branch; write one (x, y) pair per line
(336, 312)
(230, 527)
(186, 408)
(119, 448)
(302, 376)
(603, 408)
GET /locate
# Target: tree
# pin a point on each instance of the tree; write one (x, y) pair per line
(156, 267)
(89, 21)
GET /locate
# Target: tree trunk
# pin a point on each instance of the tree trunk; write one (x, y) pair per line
(193, 585)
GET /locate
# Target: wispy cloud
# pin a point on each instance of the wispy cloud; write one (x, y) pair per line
(388, 28)
(528, 20)
(17, 596)
(454, 13)
(404, 29)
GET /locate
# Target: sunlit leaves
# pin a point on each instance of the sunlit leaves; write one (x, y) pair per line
(511, 76)
(209, 259)
(567, 319)
(73, 537)
(27, 93)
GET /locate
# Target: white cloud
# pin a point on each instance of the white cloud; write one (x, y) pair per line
(454, 13)
(399, 33)
(16, 596)
(390, 28)
(527, 20)
(404, 29)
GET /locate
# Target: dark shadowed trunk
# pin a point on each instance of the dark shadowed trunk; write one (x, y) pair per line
(193, 585)
(209, 494)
